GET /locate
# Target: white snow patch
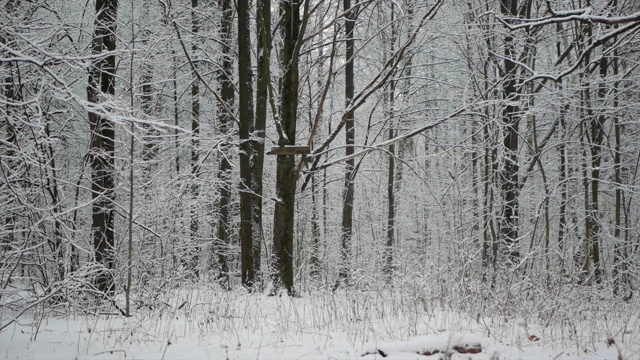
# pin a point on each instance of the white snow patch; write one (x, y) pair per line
(235, 325)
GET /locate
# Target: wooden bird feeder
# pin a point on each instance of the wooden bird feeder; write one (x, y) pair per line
(290, 150)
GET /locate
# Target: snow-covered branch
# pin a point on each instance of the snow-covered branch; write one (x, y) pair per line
(631, 24)
(580, 15)
(383, 144)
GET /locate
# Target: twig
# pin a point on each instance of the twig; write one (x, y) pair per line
(195, 71)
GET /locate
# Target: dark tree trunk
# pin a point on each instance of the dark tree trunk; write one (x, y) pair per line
(510, 121)
(315, 232)
(262, 96)
(102, 82)
(597, 139)
(286, 176)
(562, 179)
(391, 171)
(245, 104)
(619, 263)
(347, 204)
(314, 257)
(588, 225)
(391, 210)
(54, 193)
(225, 121)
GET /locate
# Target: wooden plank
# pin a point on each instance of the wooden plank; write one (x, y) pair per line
(289, 150)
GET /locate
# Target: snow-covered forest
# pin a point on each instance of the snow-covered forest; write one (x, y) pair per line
(320, 179)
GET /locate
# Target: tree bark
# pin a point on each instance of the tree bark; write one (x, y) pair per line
(262, 98)
(348, 194)
(227, 95)
(391, 171)
(101, 83)
(597, 138)
(286, 178)
(562, 179)
(245, 104)
(510, 120)
(194, 245)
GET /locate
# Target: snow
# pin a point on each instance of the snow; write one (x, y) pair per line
(349, 325)
(430, 344)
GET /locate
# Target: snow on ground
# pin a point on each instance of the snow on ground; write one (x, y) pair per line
(354, 325)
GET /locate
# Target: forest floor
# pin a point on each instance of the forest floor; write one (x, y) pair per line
(206, 323)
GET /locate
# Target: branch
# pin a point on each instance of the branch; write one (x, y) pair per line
(378, 81)
(320, 104)
(460, 111)
(583, 16)
(392, 141)
(335, 19)
(536, 156)
(599, 41)
(195, 71)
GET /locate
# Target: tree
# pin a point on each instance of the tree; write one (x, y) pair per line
(192, 252)
(9, 148)
(245, 104)
(286, 176)
(224, 167)
(349, 172)
(101, 85)
(510, 120)
(390, 98)
(263, 80)
(593, 56)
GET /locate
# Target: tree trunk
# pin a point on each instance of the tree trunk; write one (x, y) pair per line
(347, 202)
(286, 177)
(619, 266)
(562, 179)
(391, 199)
(588, 232)
(224, 167)
(620, 262)
(315, 232)
(510, 120)
(102, 82)
(597, 138)
(314, 258)
(262, 98)
(194, 245)
(245, 104)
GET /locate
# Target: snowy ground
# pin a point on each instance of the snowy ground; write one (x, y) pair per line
(209, 324)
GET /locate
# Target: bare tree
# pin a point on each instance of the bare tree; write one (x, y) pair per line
(510, 120)
(390, 104)
(101, 85)
(286, 169)
(225, 122)
(349, 172)
(245, 104)
(263, 80)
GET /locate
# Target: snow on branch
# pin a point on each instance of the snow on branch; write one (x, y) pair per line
(628, 24)
(580, 15)
(374, 85)
(389, 142)
(585, 17)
